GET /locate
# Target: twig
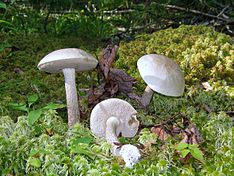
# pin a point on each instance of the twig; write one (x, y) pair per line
(229, 30)
(224, 9)
(168, 121)
(193, 11)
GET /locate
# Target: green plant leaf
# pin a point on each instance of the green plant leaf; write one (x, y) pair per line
(9, 25)
(18, 106)
(32, 99)
(33, 152)
(197, 153)
(184, 152)
(193, 146)
(85, 140)
(3, 46)
(2, 5)
(33, 116)
(181, 146)
(122, 140)
(35, 162)
(80, 150)
(54, 106)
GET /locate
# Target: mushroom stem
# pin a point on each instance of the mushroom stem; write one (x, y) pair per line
(147, 96)
(71, 97)
(111, 124)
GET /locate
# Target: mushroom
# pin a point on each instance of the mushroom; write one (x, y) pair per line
(162, 75)
(68, 61)
(113, 117)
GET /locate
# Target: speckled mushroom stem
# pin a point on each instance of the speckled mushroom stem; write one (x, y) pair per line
(147, 96)
(111, 124)
(71, 97)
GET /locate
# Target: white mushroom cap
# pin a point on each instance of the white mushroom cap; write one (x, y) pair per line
(119, 109)
(75, 58)
(161, 74)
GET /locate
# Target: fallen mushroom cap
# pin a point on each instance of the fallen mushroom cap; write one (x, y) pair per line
(75, 58)
(161, 74)
(118, 108)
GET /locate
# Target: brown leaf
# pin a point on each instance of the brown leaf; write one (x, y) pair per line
(122, 79)
(160, 132)
(94, 94)
(191, 135)
(112, 80)
(186, 159)
(107, 58)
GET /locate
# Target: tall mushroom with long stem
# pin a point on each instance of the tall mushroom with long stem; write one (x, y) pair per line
(162, 75)
(68, 61)
(113, 117)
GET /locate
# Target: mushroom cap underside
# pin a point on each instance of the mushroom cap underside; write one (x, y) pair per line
(161, 74)
(75, 58)
(118, 108)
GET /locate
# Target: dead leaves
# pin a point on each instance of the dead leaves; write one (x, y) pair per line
(191, 135)
(112, 80)
(180, 128)
(178, 125)
(160, 132)
(107, 57)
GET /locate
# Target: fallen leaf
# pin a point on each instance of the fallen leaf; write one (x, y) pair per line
(107, 58)
(112, 80)
(160, 132)
(191, 135)
(122, 79)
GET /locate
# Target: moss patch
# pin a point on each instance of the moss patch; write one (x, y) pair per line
(202, 53)
(20, 76)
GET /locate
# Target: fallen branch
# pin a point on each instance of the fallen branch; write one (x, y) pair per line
(193, 11)
(224, 9)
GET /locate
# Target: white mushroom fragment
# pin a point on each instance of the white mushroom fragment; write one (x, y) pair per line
(68, 61)
(130, 155)
(162, 75)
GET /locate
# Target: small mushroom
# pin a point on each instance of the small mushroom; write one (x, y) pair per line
(113, 117)
(68, 61)
(162, 75)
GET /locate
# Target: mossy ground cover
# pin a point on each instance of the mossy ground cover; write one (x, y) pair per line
(49, 148)
(20, 76)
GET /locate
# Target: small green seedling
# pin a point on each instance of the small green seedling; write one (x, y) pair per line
(193, 149)
(34, 114)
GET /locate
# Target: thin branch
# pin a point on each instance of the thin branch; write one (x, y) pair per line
(224, 9)
(193, 11)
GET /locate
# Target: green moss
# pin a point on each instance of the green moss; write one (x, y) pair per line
(76, 152)
(20, 76)
(202, 53)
